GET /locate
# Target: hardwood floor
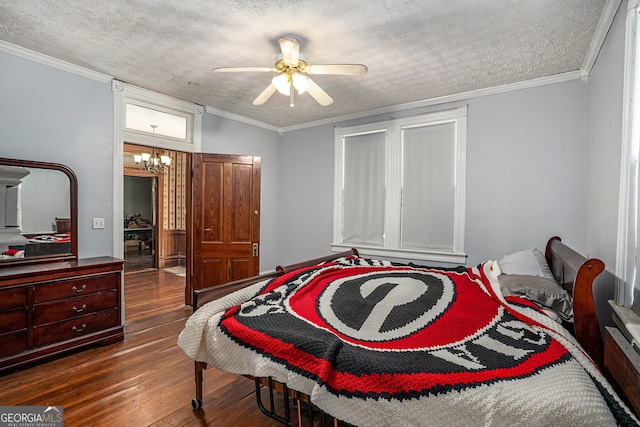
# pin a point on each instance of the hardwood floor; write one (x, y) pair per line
(145, 380)
(138, 259)
(150, 292)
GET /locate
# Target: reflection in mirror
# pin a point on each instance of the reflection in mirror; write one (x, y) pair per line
(37, 212)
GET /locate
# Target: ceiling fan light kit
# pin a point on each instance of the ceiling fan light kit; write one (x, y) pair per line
(290, 63)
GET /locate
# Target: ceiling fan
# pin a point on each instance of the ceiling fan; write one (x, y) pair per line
(292, 67)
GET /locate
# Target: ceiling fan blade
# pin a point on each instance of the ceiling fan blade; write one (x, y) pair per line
(345, 69)
(290, 49)
(245, 69)
(318, 94)
(266, 94)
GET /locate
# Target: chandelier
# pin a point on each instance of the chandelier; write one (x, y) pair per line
(153, 163)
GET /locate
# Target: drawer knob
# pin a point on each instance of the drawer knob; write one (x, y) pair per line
(74, 289)
(81, 309)
(80, 329)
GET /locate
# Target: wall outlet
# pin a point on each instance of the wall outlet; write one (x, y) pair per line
(98, 223)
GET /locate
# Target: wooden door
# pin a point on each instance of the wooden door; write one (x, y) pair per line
(225, 219)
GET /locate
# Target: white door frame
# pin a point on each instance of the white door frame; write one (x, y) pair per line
(122, 93)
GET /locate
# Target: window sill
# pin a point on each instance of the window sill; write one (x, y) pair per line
(628, 322)
(433, 256)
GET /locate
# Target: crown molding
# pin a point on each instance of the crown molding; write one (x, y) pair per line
(81, 71)
(606, 19)
(542, 81)
(53, 62)
(242, 119)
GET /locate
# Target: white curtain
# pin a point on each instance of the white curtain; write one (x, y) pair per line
(428, 187)
(364, 189)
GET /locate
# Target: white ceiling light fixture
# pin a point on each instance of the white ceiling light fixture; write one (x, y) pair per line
(286, 81)
(290, 64)
(283, 83)
(152, 162)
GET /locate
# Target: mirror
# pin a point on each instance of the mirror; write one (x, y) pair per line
(38, 212)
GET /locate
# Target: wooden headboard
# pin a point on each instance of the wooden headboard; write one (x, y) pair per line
(592, 286)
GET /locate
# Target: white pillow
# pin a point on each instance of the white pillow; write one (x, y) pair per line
(528, 262)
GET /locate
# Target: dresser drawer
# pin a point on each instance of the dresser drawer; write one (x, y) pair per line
(74, 307)
(622, 362)
(13, 343)
(68, 329)
(74, 288)
(13, 298)
(13, 320)
(37, 315)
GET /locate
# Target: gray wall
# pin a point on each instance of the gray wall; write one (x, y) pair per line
(525, 174)
(138, 197)
(55, 116)
(525, 170)
(604, 145)
(306, 194)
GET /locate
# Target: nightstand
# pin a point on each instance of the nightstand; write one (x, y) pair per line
(622, 363)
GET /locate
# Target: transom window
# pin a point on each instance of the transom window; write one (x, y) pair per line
(153, 121)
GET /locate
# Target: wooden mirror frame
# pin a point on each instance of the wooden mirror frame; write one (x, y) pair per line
(73, 212)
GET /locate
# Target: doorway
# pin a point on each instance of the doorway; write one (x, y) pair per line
(165, 193)
(140, 226)
(207, 204)
(154, 232)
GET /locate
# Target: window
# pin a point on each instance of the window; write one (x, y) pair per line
(148, 118)
(400, 187)
(628, 251)
(156, 122)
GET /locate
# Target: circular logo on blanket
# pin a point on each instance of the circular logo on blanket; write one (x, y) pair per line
(369, 330)
(385, 306)
(392, 308)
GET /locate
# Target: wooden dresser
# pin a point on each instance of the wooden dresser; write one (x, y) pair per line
(49, 308)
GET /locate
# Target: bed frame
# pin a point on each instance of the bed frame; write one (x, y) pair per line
(203, 296)
(592, 287)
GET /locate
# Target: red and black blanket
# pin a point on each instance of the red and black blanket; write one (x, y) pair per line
(375, 343)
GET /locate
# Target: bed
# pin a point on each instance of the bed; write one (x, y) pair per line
(376, 343)
(40, 245)
(48, 244)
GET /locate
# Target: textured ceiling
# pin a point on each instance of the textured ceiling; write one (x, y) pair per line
(415, 50)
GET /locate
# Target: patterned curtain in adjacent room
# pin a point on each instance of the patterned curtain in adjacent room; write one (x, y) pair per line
(175, 192)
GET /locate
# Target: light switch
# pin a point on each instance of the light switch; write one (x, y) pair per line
(98, 223)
